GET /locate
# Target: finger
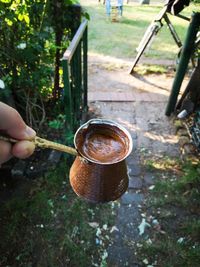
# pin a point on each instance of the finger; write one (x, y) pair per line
(23, 149)
(5, 151)
(26, 133)
(12, 122)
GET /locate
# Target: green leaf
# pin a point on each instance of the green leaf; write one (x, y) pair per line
(5, 1)
(87, 16)
(27, 19)
(20, 17)
(9, 22)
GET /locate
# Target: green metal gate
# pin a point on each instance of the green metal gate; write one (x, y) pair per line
(74, 63)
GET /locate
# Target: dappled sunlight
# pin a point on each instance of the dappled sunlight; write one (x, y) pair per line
(165, 163)
(128, 125)
(165, 138)
(120, 86)
(125, 119)
(161, 138)
(158, 165)
(123, 86)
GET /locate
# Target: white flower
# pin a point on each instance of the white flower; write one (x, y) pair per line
(2, 84)
(22, 46)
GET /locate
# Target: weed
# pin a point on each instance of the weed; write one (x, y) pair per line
(58, 123)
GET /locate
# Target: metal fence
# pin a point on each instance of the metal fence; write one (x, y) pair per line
(74, 64)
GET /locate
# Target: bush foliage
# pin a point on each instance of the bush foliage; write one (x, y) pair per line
(34, 35)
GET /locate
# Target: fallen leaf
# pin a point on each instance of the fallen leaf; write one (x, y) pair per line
(142, 226)
(114, 228)
(93, 224)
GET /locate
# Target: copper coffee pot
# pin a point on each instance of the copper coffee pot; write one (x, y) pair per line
(99, 172)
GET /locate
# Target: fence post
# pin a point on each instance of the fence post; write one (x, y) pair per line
(74, 64)
(186, 53)
(67, 100)
(85, 68)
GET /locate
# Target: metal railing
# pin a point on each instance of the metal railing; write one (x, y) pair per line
(74, 63)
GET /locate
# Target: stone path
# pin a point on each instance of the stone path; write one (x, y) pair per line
(137, 104)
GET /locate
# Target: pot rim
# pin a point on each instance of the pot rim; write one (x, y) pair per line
(107, 122)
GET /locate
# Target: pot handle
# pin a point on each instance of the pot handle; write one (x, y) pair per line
(44, 143)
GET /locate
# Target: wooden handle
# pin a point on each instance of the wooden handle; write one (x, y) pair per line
(43, 143)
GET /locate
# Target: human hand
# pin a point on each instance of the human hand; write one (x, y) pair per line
(12, 124)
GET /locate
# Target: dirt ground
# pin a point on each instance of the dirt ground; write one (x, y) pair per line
(137, 101)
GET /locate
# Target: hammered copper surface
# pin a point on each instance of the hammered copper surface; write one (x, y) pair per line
(98, 183)
(99, 174)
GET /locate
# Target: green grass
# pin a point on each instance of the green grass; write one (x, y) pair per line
(120, 39)
(174, 202)
(167, 252)
(48, 225)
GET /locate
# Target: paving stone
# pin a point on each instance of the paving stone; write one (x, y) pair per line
(133, 158)
(128, 218)
(135, 145)
(135, 183)
(132, 198)
(149, 178)
(133, 135)
(134, 169)
(120, 256)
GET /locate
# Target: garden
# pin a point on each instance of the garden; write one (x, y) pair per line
(43, 222)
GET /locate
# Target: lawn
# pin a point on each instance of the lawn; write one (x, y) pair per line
(120, 39)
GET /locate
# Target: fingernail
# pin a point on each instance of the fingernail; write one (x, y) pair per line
(30, 133)
(28, 149)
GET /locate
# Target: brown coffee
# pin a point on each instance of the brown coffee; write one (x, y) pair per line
(103, 144)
